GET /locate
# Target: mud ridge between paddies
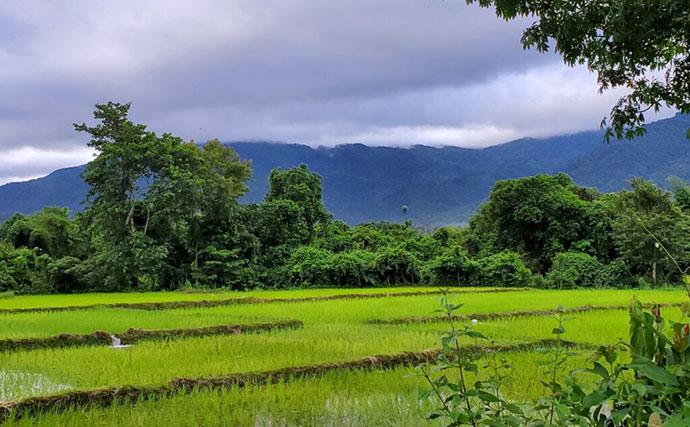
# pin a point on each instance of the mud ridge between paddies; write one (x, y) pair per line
(132, 335)
(506, 315)
(13, 410)
(172, 305)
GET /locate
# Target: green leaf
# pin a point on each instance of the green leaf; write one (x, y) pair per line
(640, 389)
(619, 415)
(676, 420)
(434, 415)
(424, 394)
(599, 369)
(596, 398)
(487, 397)
(653, 372)
(475, 334)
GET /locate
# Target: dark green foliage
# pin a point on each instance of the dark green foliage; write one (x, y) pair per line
(303, 188)
(574, 270)
(642, 216)
(452, 268)
(51, 231)
(681, 192)
(23, 270)
(397, 266)
(616, 274)
(355, 269)
(164, 214)
(307, 267)
(540, 216)
(503, 269)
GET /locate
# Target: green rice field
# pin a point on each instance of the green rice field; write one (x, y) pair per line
(335, 330)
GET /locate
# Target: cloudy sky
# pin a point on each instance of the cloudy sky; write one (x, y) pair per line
(385, 72)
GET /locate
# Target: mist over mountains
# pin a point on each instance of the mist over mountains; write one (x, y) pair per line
(440, 186)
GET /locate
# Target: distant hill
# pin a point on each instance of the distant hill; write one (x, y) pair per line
(439, 185)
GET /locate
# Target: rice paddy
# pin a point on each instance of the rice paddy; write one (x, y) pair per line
(334, 331)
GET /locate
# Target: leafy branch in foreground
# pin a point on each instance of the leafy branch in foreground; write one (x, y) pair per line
(640, 45)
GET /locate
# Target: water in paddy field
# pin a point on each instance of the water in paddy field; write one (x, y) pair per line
(117, 342)
(16, 384)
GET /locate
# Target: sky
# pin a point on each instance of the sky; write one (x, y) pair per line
(384, 72)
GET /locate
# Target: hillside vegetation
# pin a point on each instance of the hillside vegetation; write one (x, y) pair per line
(164, 214)
(440, 186)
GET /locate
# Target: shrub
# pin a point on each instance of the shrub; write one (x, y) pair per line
(616, 275)
(306, 267)
(451, 268)
(351, 269)
(63, 274)
(397, 266)
(573, 270)
(503, 269)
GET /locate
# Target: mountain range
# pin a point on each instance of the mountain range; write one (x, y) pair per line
(440, 186)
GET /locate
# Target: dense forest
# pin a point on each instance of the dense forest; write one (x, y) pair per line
(164, 214)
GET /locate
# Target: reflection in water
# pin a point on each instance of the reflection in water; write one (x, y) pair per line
(14, 385)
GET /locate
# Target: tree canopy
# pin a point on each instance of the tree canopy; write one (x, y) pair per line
(641, 45)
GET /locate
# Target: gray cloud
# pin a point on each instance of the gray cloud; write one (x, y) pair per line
(390, 72)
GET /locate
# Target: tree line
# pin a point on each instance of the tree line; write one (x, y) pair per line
(163, 214)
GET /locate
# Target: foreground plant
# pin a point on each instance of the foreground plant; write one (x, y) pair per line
(645, 381)
(460, 401)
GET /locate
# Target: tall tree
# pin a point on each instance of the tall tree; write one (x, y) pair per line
(645, 216)
(138, 183)
(303, 188)
(215, 233)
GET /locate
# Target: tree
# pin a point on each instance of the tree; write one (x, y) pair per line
(540, 216)
(681, 192)
(642, 216)
(302, 187)
(641, 45)
(151, 194)
(51, 231)
(125, 159)
(211, 225)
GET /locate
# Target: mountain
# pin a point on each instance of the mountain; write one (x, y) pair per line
(439, 185)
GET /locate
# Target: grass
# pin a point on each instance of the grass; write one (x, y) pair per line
(341, 398)
(354, 312)
(78, 300)
(334, 330)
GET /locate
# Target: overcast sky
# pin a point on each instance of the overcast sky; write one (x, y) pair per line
(384, 72)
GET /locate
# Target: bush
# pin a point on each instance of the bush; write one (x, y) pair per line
(23, 271)
(63, 275)
(503, 269)
(397, 266)
(451, 268)
(616, 275)
(573, 270)
(353, 269)
(307, 267)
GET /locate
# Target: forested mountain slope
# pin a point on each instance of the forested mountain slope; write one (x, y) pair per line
(439, 185)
